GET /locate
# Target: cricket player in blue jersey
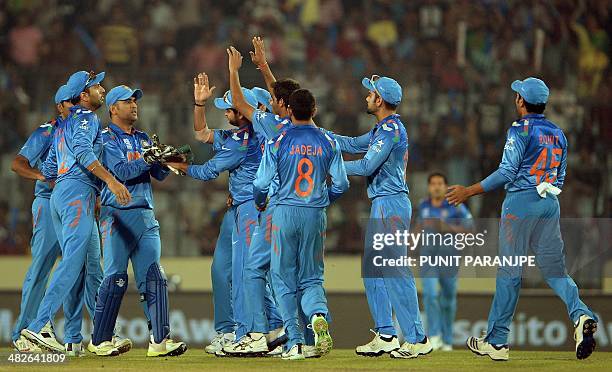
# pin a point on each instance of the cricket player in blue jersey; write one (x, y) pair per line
(221, 268)
(130, 231)
(302, 157)
(436, 215)
(384, 165)
(239, 152)
(532, 171)
(77, 147)
(44, 243)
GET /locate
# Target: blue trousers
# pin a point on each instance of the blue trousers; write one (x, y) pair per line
(245, 222)
(530, 221)
(297, 266)
(45, 249)
(398, 293)
(221, 276)
(72, 211)
(260, 305)
(130, 234)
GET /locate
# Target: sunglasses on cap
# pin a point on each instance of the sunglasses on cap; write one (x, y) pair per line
(372, 81)
(90, 78)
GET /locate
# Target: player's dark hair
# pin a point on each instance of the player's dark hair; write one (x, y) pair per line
(389, 106)
(302, 104)
(534, 108)
(437, 174)
(283, 88)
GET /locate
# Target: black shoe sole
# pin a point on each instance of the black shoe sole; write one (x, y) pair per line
(260, 354)
(587, 346)
(277, 342)
(374, 355)
(124, 349)
(176, 352)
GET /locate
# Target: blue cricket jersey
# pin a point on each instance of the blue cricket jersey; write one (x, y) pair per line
(123, 158)
(36, 149)
(302, 157)
(76, 144)
(448, 213)
(535, 152)
(385, 160)
(237, 151)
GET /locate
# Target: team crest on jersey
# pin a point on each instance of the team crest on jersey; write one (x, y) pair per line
(128, 144)
(378, 146)
(84, 125)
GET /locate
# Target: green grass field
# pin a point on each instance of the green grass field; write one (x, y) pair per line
(459, 360)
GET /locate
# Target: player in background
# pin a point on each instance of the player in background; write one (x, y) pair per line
(221, 268)
(239, 152)
(436, 215)
(302, 157)
(384, 165)
(44, 243)
(532, 171)
(130, 231)
(77, 146)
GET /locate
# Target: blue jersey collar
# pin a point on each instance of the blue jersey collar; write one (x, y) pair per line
(534, 116)
(117, 129)
(384, 120)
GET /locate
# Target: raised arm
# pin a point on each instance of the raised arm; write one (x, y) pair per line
(258, 56)
(238, 101)
(202, 91)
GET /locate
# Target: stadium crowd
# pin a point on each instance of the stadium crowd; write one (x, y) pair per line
(454, 59)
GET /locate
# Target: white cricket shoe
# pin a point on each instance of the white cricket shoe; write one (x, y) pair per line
(481, 347)
(23, 345)
(220, 340)
(446, 347)
(276, 353)
(251, 345)
(322, 338)
(310, 352)
(409, 351)
(436, 342)
(168, 347)
(45, 339)
(583, 334)
(377, 346)
(75, 349)
(295, 353)
(122, 344)
(105, 348)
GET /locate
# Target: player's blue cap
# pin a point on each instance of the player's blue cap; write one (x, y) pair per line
(62, 94)
(533, 90)
(388, 89)
(121, 93)
(225, 102)
(263, 97)
(81, 80)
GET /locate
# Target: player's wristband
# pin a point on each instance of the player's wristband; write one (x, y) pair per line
(196, 104)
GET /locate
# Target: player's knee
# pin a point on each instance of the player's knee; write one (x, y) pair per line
(115, 283)
(156, 273)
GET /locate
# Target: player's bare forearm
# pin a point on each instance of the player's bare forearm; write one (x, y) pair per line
(99, 171)
(21, 166)
(458, 194)
(200, 125)
(238, 100)
(268, 76)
